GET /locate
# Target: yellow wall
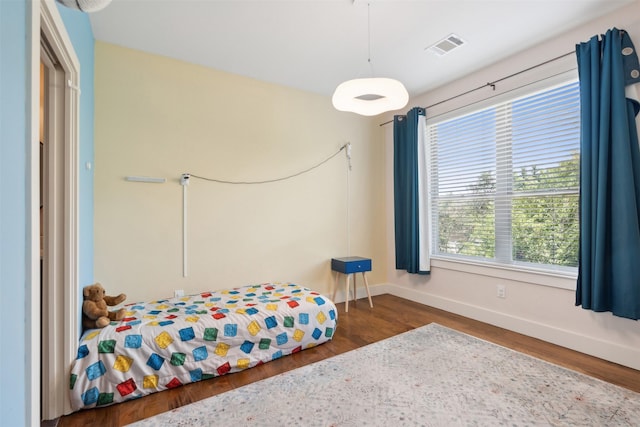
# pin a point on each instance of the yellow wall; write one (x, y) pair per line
(160, 117)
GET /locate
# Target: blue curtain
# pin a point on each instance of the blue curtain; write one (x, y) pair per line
(609, 265)
(408, 192)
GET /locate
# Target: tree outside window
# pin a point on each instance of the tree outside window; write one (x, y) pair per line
(505, 181)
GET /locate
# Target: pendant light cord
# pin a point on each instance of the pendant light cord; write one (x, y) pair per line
(369, 38)
(348, 219)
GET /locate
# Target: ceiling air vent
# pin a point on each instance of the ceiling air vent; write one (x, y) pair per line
(446, 45)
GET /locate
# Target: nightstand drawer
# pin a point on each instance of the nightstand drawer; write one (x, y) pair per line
(352, 264)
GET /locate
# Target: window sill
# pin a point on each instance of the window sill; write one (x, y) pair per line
(559, 279)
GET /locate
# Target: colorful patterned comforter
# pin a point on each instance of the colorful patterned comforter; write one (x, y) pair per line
(165, 344)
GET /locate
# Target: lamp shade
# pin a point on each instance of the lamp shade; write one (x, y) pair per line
(85, 5)
(371, 96)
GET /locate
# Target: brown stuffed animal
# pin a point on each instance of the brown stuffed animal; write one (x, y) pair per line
(94, 307)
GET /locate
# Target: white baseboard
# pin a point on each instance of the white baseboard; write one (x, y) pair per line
(613, 352)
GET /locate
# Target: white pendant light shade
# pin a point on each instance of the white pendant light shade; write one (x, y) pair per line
(85, 5)
(370, 97)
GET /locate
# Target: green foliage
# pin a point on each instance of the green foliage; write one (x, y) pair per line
(545, 227)
(544, 216)
(467, 227)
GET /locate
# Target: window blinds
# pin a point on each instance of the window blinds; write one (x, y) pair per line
(505, 180)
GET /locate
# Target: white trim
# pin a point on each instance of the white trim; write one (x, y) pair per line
(62, 331)
(33, 297)
(611, 351)
(549, 278)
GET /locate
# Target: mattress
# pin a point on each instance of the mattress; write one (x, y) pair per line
(164, 344)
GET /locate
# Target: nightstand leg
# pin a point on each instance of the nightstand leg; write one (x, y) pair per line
(366, 286)
(355, 286)
(346, 293)
(335, 285)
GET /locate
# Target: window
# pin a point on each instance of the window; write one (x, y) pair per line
(505, 179)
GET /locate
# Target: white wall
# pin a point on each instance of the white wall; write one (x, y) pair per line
(160, 117)
(537, 305)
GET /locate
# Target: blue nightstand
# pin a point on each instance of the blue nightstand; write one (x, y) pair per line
(351, 266)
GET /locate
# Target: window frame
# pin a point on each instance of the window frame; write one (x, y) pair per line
(544, 274)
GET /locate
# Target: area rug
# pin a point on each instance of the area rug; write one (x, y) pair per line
(430, 376)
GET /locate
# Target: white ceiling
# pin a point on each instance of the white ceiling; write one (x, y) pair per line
(314, 45)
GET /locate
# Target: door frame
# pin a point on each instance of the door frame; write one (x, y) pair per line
(51, 358)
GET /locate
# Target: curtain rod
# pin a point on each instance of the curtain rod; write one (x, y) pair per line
(493, 83)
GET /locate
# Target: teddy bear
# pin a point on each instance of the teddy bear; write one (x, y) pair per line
(94, 307)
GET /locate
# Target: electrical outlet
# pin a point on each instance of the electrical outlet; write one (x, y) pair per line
(501, 291)
(178, 293)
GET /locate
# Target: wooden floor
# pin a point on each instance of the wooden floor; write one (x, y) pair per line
(361, 326)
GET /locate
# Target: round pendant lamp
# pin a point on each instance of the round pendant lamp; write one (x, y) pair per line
(370, 96)
(85, 5)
